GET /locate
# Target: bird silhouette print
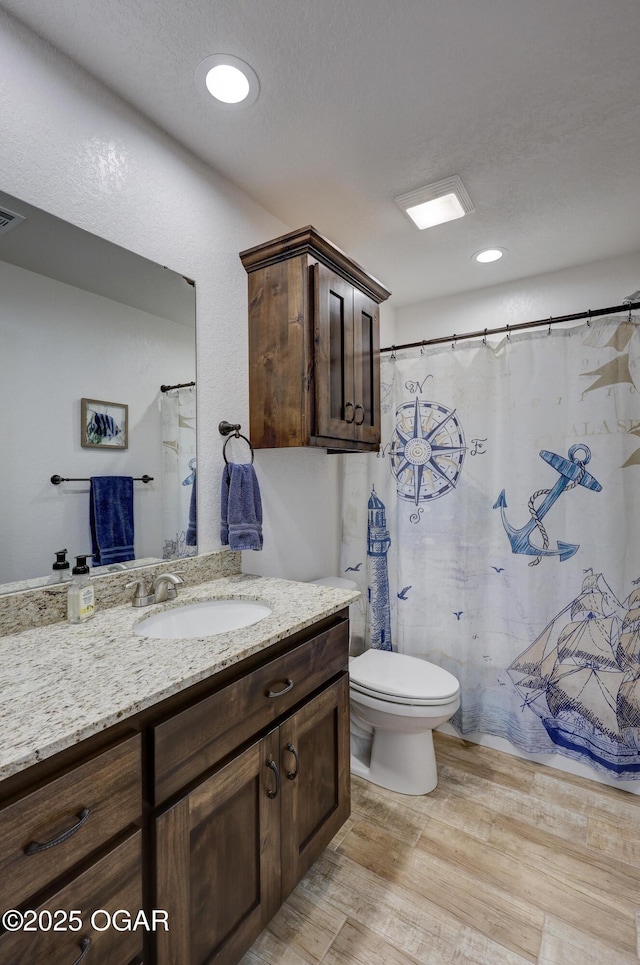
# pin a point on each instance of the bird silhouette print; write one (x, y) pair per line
(353, 569)
(402, 595)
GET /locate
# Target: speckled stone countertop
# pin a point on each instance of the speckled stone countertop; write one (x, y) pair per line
(62, 683)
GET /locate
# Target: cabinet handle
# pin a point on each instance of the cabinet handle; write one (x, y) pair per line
(274, 767)
(291, 775)
(85, 945)
(349, 405)
(34, 847)
(363, 414)
(278, 693)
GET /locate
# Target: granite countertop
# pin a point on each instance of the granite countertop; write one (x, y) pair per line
(63, 683)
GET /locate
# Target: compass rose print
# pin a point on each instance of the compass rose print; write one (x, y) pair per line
(427, 450)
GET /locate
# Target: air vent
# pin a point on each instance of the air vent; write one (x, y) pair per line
(9, 220)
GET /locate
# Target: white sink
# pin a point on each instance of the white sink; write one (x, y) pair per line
(203, 619)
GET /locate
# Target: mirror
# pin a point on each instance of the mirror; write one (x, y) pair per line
(81, 318)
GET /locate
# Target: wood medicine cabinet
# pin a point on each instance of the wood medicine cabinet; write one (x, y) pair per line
(314, 345)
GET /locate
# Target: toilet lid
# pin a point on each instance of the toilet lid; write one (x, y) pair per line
(401, 676)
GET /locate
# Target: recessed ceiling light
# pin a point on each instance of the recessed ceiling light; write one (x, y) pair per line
(436, 203)
(229, 80)
(488, 255)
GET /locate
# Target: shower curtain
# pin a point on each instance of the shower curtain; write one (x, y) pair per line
(497, 533)
(178, 410)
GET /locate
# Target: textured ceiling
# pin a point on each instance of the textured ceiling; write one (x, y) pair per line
(534, 103)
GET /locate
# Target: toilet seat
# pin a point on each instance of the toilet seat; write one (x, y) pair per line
(401, 679)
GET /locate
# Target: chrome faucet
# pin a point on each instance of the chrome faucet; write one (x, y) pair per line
(165, 587)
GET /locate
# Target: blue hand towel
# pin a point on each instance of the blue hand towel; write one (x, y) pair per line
(192, 528)
(111, 518)
(240, 508)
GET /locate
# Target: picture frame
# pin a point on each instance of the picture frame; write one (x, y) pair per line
(104, 425)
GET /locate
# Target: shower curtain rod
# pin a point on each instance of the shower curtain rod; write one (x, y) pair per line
(552, 320)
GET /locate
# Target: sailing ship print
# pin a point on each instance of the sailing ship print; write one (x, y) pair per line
(581, 676)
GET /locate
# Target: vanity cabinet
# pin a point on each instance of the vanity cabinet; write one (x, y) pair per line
(232, 847)
(314, 345)
(208, 806)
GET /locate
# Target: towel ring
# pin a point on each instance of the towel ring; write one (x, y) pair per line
(226, 429)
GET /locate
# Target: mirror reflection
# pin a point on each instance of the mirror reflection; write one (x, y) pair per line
(83, 319)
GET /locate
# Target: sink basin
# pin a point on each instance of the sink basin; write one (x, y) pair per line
(203, 619)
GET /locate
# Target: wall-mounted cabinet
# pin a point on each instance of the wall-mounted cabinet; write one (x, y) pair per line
(314, 345)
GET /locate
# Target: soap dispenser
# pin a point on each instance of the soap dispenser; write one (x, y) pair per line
(81, 595)
(60, 568)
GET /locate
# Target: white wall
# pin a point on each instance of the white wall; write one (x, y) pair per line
(61, 344)
(598, 285)
(71, 147)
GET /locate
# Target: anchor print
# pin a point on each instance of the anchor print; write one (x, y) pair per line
(572, 473)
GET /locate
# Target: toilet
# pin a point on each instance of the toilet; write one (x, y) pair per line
(396, 701)
(400, 699)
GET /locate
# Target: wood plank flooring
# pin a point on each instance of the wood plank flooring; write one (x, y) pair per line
(507, 862)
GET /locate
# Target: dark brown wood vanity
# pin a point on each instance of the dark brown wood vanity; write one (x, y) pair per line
(207, 807)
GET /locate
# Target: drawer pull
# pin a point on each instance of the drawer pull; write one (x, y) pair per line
(274, 767)
(85, 945)
(291, 775)
(349, 405)
(359, 422)
(34, 847)
(280, 693)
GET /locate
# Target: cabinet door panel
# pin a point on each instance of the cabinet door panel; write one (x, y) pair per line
(224, 840)
(366, 359)
(333, 357)
(314, 749)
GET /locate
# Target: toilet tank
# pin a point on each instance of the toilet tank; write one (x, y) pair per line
(341, 584)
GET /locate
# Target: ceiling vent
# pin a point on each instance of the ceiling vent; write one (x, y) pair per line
(9, 220)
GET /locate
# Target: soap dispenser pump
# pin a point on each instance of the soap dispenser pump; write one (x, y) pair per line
(60, 568)
(81, 595)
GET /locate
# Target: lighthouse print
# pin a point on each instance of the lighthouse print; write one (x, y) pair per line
(378, 543)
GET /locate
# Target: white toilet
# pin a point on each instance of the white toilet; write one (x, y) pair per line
(397, 700)
(401, 699)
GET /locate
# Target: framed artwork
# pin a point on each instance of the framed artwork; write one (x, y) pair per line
(104, 425)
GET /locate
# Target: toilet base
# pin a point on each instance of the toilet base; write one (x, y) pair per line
(400, 762)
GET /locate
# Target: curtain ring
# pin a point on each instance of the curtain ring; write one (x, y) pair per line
(453, 344)
(589, 319)
(392, 357)
(423, 345)
(549, 331)
(508, 333)
(484, 337)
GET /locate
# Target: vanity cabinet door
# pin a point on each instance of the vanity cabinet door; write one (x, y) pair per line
(316, 795)
(218, 852)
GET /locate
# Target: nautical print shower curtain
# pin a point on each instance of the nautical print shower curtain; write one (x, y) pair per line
(178, 408)
(497, 533)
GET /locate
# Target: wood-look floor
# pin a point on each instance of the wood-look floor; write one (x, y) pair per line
(507, 862)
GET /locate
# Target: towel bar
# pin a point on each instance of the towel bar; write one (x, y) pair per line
(56, 480)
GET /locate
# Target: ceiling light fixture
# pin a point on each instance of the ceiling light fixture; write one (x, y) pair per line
(487, 255)
(229, 80)
(436, 203)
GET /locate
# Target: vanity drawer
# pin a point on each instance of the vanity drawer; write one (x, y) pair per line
(108, 786)
(113, 883)
(194, 740)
